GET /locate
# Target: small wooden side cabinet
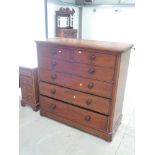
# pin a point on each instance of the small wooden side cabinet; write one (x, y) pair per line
(29, 87)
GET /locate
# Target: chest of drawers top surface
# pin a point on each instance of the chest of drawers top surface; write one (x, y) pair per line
(112, 47)
(82, 83)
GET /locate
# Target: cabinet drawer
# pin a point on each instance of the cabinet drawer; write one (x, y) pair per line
(86, 85)
(27, 94)
(91, 102)
(92, 57)
(24, 80)
(83, 70)
(54, 52)
(84, 117)
(25, 71)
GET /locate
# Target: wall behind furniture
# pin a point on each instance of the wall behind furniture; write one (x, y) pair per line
(109, 24)
(51, 8)
(32, 28)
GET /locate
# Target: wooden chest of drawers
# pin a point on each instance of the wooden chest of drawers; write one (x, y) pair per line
(28, 78)
(82, 83)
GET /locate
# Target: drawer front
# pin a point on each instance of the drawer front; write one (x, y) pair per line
(24, 80)
(89, 86)
(54, 52)
(25, 71)
(83, 70)
(27, 94)
(73, 113)
(91, 102)
(77, 55)
(98, 59)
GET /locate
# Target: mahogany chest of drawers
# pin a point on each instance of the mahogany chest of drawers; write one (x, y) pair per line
(28, 78)
(82, 83)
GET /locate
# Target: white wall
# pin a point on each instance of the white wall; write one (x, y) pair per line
(32, 28)
(108, 25)
(51, 17)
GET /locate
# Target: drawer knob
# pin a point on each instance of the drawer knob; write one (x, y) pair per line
(53, 91)
(88, 101)
(92, 57)
(90, 85)
(54, 63)
(53, 52)
(87, 118)
(91, 70)
(53, 106)
(54, 76)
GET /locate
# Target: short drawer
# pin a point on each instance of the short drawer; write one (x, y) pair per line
(83, 70)
(24, 80)
(25, 71)
(103, 89)
(54, 52)
(87, 101)
(27, 94)
(93, 57)
(81, 116)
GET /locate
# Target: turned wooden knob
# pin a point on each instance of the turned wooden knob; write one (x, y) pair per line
(90, 85)
(53, 52)
(92, 57)
(91, 70)
(88, 101)
(54, 76)
(53, 106)
(53, 91)
(54, 63)
(87, 118)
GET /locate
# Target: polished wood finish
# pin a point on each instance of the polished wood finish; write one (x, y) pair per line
(67, 33)
(82, 83)
(73, 113)
(29, 87)
(74, 82)
(77, 98)
(83, 70)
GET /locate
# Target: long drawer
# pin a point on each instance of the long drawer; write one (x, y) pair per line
(87, 101)
(77, 55)
(77, 83)
(84, 117)
(83, 70)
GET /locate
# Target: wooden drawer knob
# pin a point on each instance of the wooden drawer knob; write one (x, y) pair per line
(87, 118)
(92, 57)
(91, 70)
(52, 107)
(53, 91)
(90, 85)
(54, 63)
(53, 52)
(54, 76)
(88, 101)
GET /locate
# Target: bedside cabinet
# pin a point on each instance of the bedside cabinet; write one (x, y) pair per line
(82, 83)
(29, 87)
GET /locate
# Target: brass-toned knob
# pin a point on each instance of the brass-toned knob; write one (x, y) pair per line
(54, 76)
(87, 118)
(90, 85)
(91, 70)
(53, 106)
(53, 91)
(88, 101)
(92, 57)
